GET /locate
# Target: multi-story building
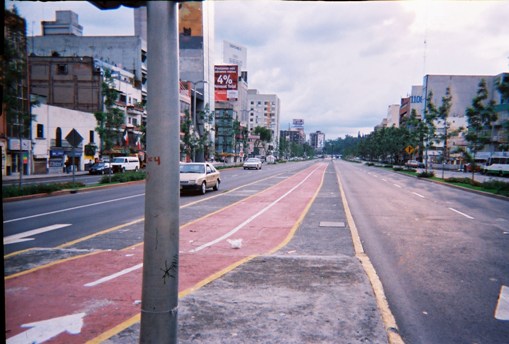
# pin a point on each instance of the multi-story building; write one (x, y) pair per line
(393, 115)
(463, 88)
(75, 83)
(264, 111)
(63, 37)
(69, 82)
(317, 141)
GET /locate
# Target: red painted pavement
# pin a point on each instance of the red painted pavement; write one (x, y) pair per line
(58, 290)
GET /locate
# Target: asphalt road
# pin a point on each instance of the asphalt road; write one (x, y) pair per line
(316, 282)
(441, 253)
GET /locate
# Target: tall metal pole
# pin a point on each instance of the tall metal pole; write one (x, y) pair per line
(195, 121)
(161, 241)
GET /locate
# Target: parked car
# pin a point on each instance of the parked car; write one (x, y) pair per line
(414, 164)
(199, 176)
(252, 163)
(125, 163)
(100, 168)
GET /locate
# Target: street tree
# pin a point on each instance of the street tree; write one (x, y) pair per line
(503, 89)
(443, 112)
(429, 128)
(265, 137)
(111, 118)
(480, 118)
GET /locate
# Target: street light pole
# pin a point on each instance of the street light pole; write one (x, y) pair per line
(195, 123)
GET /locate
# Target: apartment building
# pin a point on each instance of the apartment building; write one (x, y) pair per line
(264, 111)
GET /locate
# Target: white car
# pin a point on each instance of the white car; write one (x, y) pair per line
(199, 176)
(252, 163)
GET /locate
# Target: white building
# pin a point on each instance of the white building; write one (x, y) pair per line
(50, 127)
(393, 115)
(264, 111)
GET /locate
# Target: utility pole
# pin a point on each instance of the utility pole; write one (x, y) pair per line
(195, 120)
(159, 307)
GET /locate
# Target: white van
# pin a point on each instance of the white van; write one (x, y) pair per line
(125, 163)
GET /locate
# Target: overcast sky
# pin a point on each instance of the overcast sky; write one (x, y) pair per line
(337, 65)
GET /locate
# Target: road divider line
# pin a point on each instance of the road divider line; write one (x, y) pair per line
(421, 196)
(253, 217)
(74, 208)
(396, 185)
(463, 214)
(113, 276)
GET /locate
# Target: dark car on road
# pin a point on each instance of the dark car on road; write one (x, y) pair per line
(100, 168)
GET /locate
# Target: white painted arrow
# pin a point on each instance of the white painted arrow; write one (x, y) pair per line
(502, 310)
(42, 331)
(20, 237)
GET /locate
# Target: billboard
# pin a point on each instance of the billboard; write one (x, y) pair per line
(235, 54)
(226, 82)
(298, 123)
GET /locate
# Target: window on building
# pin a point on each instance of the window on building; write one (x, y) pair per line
(135, 121)
(91, 136)
(40, 131)
(62, 69)
(58, 137)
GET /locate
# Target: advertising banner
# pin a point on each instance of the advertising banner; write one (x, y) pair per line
(226, 82)
(298, 123)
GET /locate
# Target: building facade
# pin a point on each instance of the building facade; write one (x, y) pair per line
(126, 52)
(317, 141)
(264, 111)
(51, 126)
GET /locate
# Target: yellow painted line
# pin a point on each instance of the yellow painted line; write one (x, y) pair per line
(70, 243)
(388, 318)
(301, 218)
(117, 329)
(51, 264)
(135, 319)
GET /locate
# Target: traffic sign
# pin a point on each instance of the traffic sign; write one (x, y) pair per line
(74, 138)
(409, 149)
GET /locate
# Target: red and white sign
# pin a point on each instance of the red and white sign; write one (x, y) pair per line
(226, 82)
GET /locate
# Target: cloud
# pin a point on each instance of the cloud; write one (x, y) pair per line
(337, 64)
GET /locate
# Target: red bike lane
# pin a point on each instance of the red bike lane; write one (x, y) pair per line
(79, 299)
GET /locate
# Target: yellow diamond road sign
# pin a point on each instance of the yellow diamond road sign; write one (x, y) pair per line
(409, 149)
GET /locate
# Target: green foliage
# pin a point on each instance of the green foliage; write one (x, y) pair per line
(426, 174)
(480, 118)
(467, 181)
(129, 176)
(14, 190)
(110, 120)
(499, 187)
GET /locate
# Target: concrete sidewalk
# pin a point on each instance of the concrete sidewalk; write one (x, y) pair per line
(313, 290)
